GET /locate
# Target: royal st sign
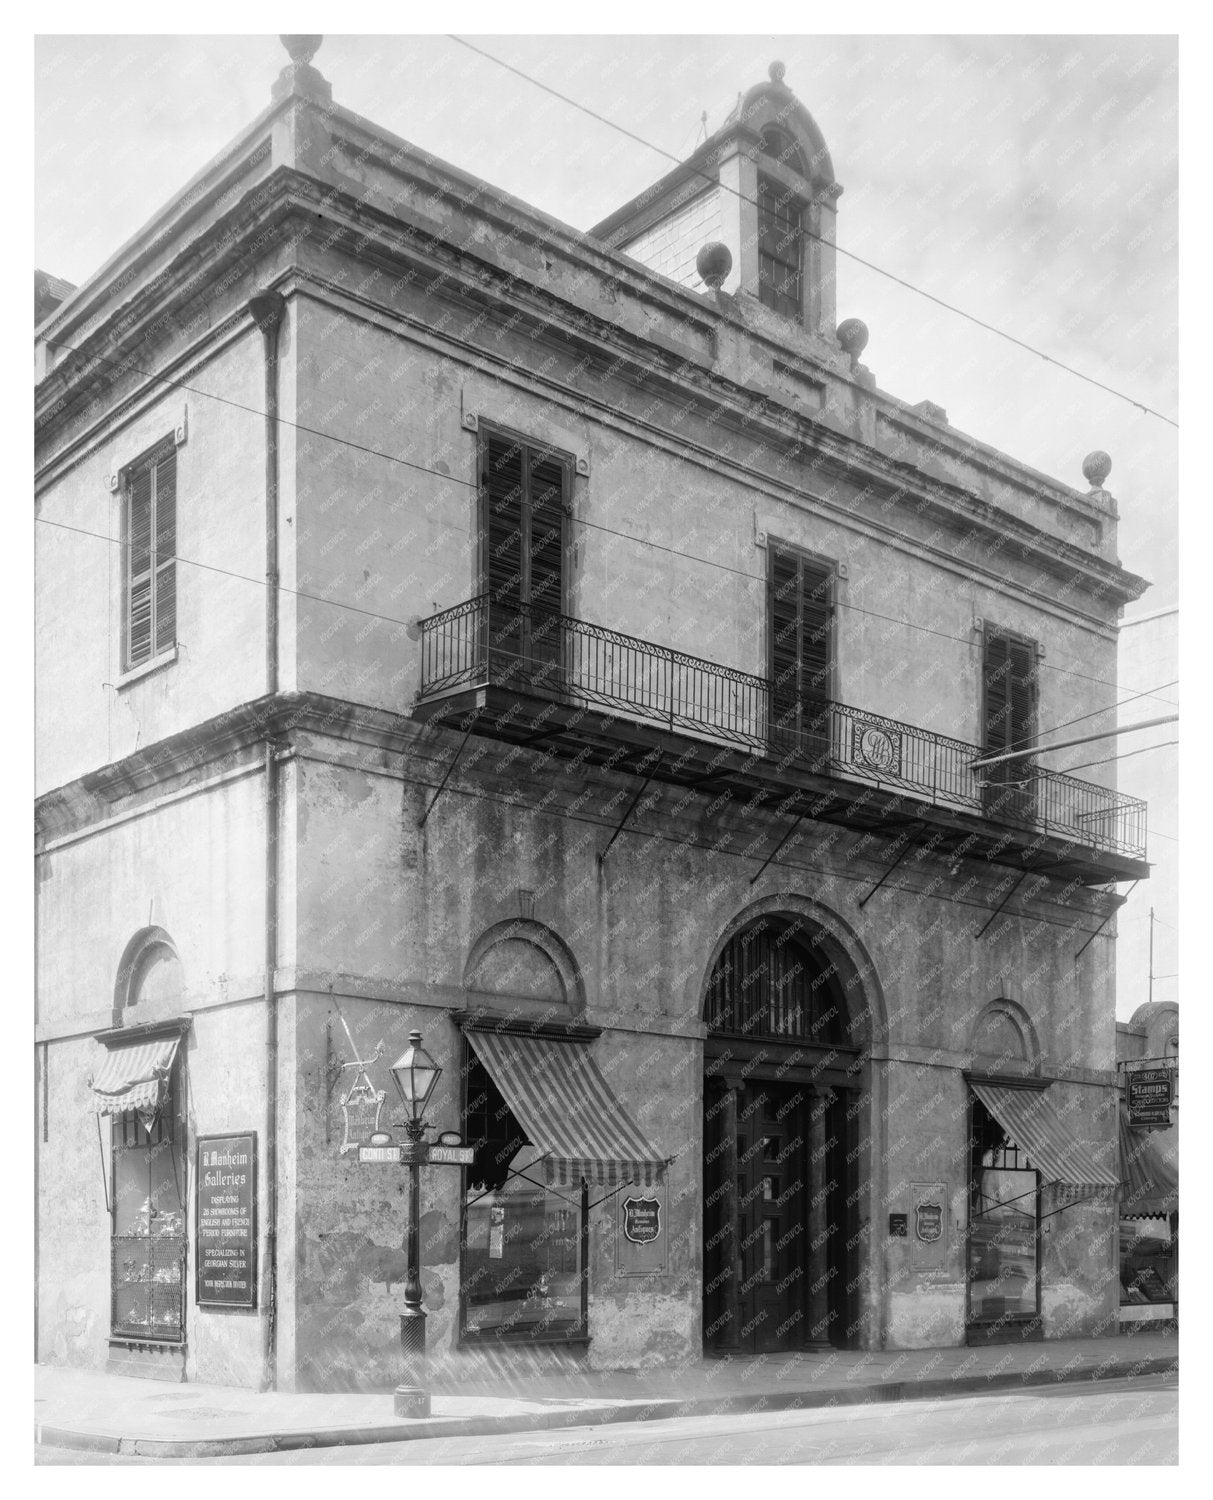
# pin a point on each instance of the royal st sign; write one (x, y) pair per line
(436, 1155)
(1149, 1096)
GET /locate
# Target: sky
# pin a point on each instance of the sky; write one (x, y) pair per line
(1031, 181)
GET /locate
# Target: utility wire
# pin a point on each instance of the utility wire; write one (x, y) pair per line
(174, 384)
(1087, 764)
(809, 234)
(1145, 693)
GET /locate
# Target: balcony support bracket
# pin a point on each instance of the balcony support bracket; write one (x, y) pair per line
(632, 806)
(1002, 903)
(907, 839)
(778, 847)
(1104, 923)
(421, 821)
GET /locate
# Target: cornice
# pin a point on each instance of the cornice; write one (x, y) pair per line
(678, 370)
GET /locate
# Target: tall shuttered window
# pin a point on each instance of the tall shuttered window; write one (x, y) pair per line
(779, 248)
(801, 613)
(1009, 723)
(524, 501)
(150, 558)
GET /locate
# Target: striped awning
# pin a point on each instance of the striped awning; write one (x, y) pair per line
(567, 1109)
(1031, 1122)
(1149, 1170)
(134, 1076)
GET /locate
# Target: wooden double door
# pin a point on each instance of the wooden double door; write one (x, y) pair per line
(777, 1263)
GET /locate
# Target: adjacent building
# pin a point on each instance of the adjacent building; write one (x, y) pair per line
(557, 644)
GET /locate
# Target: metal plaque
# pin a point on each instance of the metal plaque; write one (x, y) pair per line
(1149, 1096)
(383, 1154)
(450, 1156)
(226, 1223)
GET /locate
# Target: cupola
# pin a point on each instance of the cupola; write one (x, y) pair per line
(763, 188)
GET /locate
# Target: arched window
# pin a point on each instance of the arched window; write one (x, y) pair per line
(781, 144)
(773, 979)
(150, 984)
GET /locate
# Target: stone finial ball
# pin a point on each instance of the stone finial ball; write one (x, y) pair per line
(714, 262)
(1095, 468)
(301, 49)
(853, 336)
(776, 72)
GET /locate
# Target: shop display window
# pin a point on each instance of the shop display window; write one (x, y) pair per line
(523, 1242)
(1148, 1268)
(1004, 1224)
(148, 1241)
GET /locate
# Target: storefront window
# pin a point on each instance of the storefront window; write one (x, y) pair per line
(1004, 1282)
(522, 1248)
(1148, 1271)
(148, 1240)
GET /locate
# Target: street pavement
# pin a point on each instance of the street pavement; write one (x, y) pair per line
(1113, 1422)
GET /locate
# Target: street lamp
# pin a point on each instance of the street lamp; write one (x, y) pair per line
(416, 1074)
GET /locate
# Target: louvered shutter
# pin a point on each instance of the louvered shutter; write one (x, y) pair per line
(779, 248)
(802, 653)
(545, 558)
(1010, 724)
(816, 657)
(139, 582)
(502, 531)
(785, 648)
(165, 561)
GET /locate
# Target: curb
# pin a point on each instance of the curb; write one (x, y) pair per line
(404, 1430)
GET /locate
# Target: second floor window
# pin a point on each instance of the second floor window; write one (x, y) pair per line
(801, 610)
(150, 558)
(1009, 722)
(524, 493)
(779, 248)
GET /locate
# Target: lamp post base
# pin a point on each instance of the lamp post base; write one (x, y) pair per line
(411, 1401)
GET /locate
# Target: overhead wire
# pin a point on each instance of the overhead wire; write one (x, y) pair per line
(175, 384)
(810, 234)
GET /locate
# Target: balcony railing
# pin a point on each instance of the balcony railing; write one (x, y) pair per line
(542, 654)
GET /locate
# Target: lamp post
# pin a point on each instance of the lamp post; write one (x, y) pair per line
(416, 1073)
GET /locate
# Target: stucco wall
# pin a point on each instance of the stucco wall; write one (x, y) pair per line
(86, 716)
(663, 546)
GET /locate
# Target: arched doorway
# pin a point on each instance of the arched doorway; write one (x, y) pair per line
(784, 1093)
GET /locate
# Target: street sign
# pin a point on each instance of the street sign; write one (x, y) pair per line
(450, 1156)
(379, 1153)
(431, 1156)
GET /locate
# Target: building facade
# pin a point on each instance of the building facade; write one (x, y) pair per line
(452, 622)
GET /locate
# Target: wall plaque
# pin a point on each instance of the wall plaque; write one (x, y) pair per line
(928, 1226)
(226, 1225)
(640, 1233)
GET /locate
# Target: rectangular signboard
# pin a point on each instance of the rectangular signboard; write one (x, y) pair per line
(1149, 1096)
(226, 1226)
(386, 1154)
(433, 1156)
(450, 1156)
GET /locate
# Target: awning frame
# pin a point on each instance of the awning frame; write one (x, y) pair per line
(535, 1115)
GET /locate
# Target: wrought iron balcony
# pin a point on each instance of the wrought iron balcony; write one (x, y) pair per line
(525, 674)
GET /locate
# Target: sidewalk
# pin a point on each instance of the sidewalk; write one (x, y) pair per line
(91, 1410)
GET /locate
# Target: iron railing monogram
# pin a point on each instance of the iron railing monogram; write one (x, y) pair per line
(480, 643)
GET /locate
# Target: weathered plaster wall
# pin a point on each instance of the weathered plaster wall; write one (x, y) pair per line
(390, 911)
(86, 717)
(73, 1230)
(650, 525)
(194, 867)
